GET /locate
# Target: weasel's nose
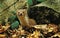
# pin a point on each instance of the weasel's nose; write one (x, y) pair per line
(21, 14)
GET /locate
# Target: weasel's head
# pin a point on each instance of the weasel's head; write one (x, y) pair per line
(21, 12)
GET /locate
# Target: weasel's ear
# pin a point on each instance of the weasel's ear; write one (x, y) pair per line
(25, 10)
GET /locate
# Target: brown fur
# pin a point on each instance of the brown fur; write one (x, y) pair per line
(24, 20)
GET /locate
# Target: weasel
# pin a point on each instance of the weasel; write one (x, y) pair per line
(23, 18)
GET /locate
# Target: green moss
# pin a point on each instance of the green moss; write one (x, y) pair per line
(15, 25)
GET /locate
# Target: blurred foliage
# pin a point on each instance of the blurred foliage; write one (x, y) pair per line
(8, 8)
(15, 25)
(34, 2)
(1, 0)
(53, 4)
(46, 12)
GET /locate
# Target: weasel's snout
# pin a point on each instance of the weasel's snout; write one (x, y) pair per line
(20, 14)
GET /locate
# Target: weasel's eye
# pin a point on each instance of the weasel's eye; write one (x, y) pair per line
(19, 13)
